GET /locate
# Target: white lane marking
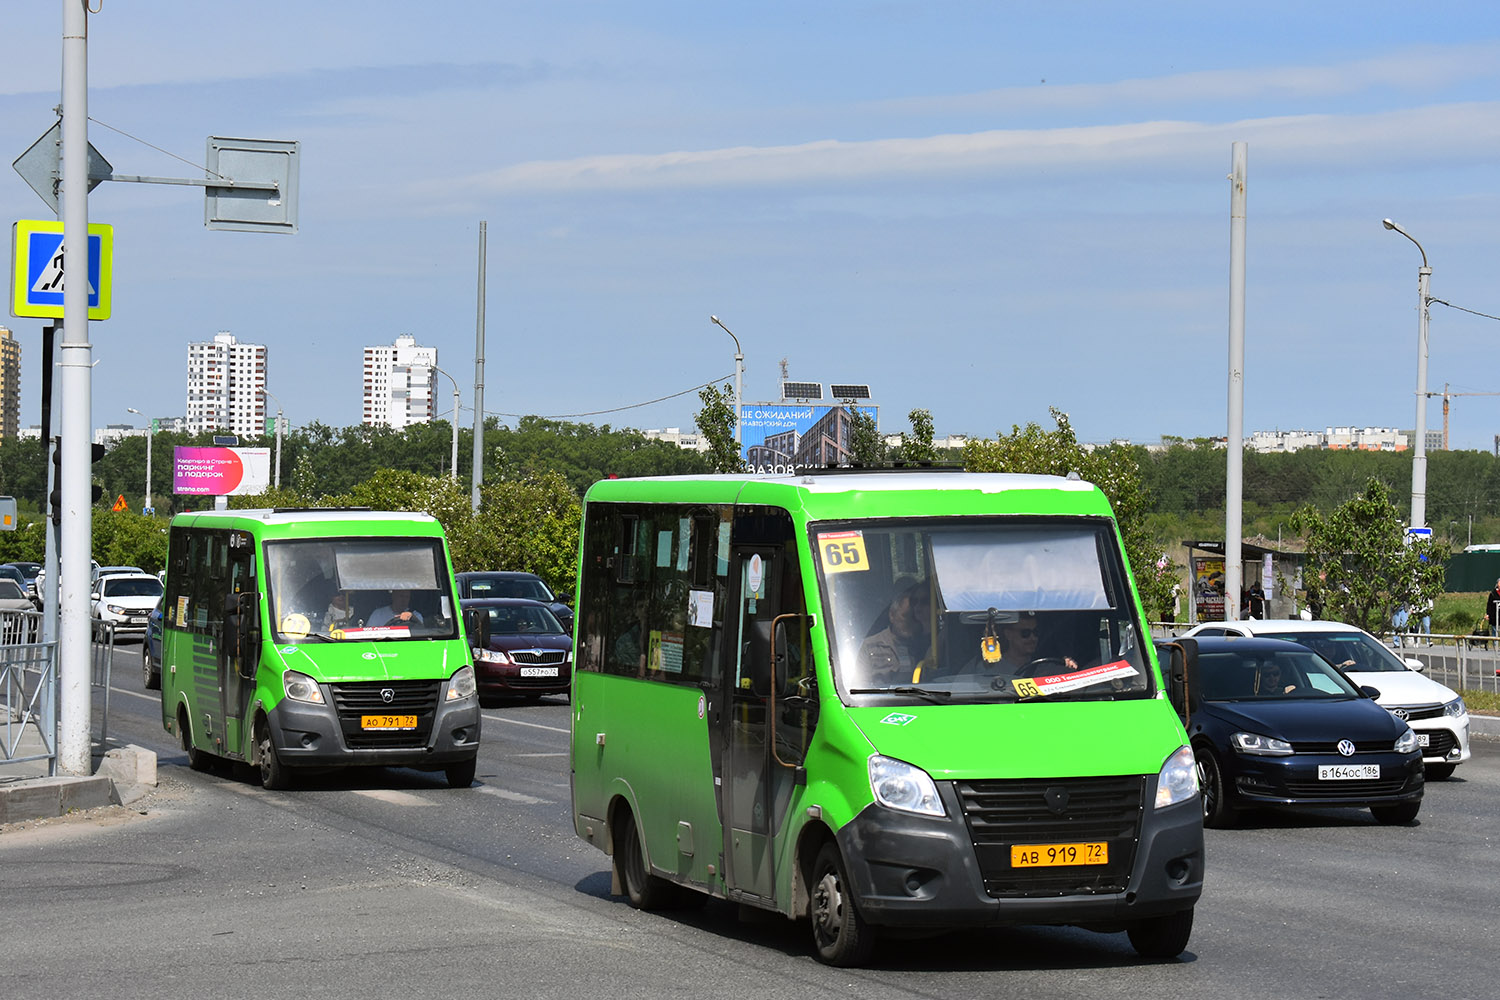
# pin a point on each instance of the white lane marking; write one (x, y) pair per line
(510, 796)
(393, 797)
(538, 755)
(518, 722)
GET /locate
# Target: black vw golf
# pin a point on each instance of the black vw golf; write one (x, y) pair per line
(1274, 724)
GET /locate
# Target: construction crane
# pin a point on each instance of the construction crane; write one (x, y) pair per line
(1446, 394)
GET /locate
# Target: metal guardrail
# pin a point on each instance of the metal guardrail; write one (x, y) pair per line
(1462, 662)
(29, 682)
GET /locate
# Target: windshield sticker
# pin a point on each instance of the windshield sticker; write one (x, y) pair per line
(701, 608)
(295, 625)
(898, 719)
(377, 632)
(1033, 687)
(842, 552)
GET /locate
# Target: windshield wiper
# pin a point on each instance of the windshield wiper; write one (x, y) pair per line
(920, 692)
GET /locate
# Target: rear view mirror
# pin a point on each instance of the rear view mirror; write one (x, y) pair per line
(1413, 663)
(1181, 674)
(1370, 692)
(477, 627)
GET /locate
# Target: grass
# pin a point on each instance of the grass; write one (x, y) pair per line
(1481, 701)
(1457, 614)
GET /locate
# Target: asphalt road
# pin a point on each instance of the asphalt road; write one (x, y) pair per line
(388, 883)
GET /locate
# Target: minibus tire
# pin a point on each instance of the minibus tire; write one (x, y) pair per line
(646, 891)
(274, 775)
(198, 760)
(461, 775)
(840, 934)
(1162, 937)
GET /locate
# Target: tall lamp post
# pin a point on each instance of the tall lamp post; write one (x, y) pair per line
(149, 434)
(739, 374)
(267, 392)
(453, 461)
(1419, 452)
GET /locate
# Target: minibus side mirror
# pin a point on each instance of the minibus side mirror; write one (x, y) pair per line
(477, 628)
(1180, 667)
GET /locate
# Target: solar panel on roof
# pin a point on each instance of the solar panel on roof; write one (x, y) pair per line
(849, 390)
(801, 390)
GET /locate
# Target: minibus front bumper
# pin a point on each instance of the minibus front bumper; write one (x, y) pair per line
(919, 871)
(336, 734)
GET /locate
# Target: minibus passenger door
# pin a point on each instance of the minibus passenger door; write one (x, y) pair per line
(238, 654)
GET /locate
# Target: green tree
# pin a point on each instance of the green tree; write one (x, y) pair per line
(917, 447)
(1114, 469)
(1366, 566)
(715, 421)
(866, 446)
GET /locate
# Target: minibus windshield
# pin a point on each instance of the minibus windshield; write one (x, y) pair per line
(971, 609)
(342, 589)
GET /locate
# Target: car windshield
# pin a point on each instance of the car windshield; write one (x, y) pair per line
(1239, 675)
(131, 586)
(1351, 652)
(520, 620)
(10, 590)
(965, 609)
(337, 589)
(497, 586)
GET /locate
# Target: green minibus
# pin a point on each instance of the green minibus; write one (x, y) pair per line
(881, 701)
(316, 638)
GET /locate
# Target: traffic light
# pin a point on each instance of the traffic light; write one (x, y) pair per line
(54, 499)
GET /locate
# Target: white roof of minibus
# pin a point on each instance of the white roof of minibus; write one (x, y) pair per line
(271, 516)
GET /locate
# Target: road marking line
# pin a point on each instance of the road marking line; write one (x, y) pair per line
(510, 796)
(518, 722)
(538, 755)
(393, 797)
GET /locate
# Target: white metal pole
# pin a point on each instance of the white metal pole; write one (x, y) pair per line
(1234, 445)
(75, 383)
(1419, 453)
(478, 471)
(278, 445)
(150, 433)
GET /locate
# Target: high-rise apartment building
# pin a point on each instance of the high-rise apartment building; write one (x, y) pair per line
(225, 380)
(398, 383)
(10, 385)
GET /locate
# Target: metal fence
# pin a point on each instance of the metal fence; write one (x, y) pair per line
(1462, 662)
(29, 682)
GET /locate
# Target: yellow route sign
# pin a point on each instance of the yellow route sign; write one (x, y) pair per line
(37, 255)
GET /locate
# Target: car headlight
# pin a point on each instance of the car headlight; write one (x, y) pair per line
(114, 609)
(491, 656)
(1407, 742)
(300, 687)
(461, 684)
(1456, 709)
(1178, 778)
(1265, 746)
(899, 785)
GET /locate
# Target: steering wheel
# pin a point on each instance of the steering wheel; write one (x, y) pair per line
(1044, 667)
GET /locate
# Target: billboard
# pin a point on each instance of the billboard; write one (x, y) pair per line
(220, 472)
(786, 437)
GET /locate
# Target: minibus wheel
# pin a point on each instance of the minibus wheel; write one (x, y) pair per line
(197, 759)
(1162, 937)
(646, 891)
(461, 775)
(840, 934)
(274, 775)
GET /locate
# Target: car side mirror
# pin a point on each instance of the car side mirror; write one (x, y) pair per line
(1412, 663)
(1370, 692)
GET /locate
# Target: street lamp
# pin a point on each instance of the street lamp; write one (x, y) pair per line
(267, 392)
(453, 462)
(149, 433)
(739, 374)
(1419, 454)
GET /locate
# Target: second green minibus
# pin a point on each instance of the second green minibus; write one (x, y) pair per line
(880, 701)
(317, 638)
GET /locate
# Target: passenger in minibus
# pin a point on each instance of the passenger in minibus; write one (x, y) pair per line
(892, 655)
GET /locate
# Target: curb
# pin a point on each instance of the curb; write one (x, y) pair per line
(124, 775)
(1484, 727)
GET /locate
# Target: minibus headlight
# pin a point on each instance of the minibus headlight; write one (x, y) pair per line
(1178, 780)
(300, 687)
(1407, 741)
(461, 684)
(899, 785)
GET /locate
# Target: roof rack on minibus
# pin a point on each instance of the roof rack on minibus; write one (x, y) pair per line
(313, 510)
(865, 470)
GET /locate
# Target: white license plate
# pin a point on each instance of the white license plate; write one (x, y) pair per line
(1423, 740)
(538, 671)
(1348, 772)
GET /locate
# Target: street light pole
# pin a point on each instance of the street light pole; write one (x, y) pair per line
(739, 375)
(1419, 449)
(453, 461)
(267, 392)
(150, 431)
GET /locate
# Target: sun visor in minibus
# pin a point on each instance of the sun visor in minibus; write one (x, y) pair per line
(1021, 569)
(404, 567)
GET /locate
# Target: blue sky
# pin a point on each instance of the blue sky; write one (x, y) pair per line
(983, 209)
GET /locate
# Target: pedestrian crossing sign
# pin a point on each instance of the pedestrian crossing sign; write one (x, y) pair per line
(37, 259)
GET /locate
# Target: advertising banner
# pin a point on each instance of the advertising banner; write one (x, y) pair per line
(787, 437)
(1208, 588)
(220, 472)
